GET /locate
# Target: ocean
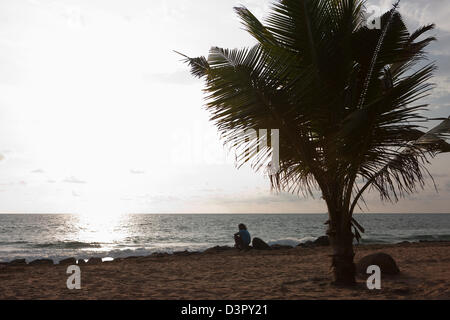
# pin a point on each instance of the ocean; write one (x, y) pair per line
(60, 236)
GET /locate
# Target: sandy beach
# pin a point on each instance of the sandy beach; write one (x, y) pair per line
(298, 273)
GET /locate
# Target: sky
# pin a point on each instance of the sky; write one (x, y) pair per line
(99, 115)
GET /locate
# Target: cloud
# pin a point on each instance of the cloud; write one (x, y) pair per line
(133, 171)
(420, 12)
(211, 190)
(126, 199)
(73, 180)
(74, 17)
(159, 199)
(261, 198)
(75, 194)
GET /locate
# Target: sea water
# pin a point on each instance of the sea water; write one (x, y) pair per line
(83, 236)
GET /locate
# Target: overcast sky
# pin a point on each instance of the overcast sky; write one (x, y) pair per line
(98, 115)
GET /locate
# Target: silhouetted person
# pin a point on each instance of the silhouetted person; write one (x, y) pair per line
(242, 238)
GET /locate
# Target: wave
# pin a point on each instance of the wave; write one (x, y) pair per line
(367, 239)
(72, 249)
(6, 243)
(371, 241)
(67, 245)
(83, 250)
(427, 237)
(293, 242)
(411, 238)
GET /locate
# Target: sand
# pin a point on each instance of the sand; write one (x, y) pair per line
(300, 273)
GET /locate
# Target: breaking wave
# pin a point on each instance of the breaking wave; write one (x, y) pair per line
(66, 245)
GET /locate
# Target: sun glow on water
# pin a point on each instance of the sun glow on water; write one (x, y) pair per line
(106, 231)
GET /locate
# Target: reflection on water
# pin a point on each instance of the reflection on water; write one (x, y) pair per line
(94, 229)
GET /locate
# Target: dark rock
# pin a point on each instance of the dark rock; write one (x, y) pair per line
(218, 249)
(81, 262)
(322, 241)
(68, 261)
(182, 253)
(386, 263)
(259, 244)
(185, 253)
(280, 247)
(319, 242)
(41, 262)
(95, 261)
(18, 262)
(132, 258)
(432, 241)
(159, 254)
(307, 244)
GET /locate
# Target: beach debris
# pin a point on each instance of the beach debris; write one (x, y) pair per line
(41, 262)
(68, 261)
(94, 261)
(259, 244)
(386, 263)
(18, 262)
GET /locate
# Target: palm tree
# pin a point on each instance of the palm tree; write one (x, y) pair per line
(345, 99)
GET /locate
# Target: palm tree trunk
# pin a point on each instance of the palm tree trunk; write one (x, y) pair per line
(341, 239)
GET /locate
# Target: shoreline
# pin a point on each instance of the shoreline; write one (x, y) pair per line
(31, 238)
(216, 249)
(221, 273)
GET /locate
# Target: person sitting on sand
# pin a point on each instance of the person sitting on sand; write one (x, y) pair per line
(242, 238)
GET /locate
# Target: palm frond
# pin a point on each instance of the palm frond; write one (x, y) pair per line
(346, 100)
